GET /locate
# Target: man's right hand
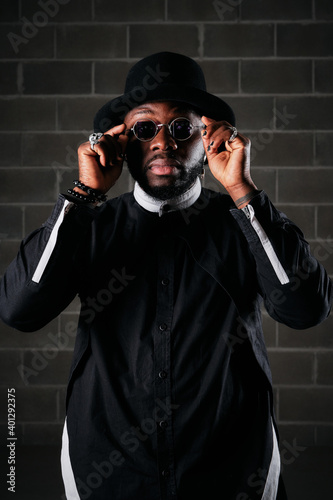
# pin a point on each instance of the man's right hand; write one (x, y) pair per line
(100, 169)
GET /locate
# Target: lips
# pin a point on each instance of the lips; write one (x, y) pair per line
(164, 166)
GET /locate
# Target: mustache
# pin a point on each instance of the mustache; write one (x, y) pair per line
(160, 156)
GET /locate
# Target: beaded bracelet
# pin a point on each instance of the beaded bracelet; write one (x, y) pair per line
(82, 197)
(98, 195)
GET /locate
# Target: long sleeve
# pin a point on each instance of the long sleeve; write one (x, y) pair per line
(43, 278)
(295, 287)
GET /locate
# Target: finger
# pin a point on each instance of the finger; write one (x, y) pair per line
(214, 135)
(118, 132)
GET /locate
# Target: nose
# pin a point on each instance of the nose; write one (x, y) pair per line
(163, 140)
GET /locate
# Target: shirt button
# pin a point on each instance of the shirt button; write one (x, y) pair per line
(165, 473)
(163, 374)
(165, 281)
(163, 424)
(163, 327)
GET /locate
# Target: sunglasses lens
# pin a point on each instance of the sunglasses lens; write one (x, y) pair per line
(145, 130)
(181, 129)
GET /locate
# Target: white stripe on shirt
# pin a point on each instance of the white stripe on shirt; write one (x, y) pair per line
(49, 246)
(66, 468)
(267, 245)
(272, 481)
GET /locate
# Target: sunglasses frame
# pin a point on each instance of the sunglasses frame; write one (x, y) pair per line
(158, 127)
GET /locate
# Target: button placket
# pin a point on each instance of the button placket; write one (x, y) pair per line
(162, 346)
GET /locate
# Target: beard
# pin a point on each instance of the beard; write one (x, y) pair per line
(183, 182)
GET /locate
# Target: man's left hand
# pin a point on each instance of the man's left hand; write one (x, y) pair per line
(231, 167)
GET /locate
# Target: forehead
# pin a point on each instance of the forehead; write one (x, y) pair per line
(159, 108)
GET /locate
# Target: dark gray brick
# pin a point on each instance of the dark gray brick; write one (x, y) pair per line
(40, 433)
(47, 149)
(130, 11)
(325, 435)
(23, 40)
(303, 216)
(70, 10)
(324, 148)
(252, 112)
(28, 114)
(62, 392)
(77, 113)
(36, 403)
(58, 77)
(110, 76)
(274, 77)
(191, 10)
(324, 223)
(12, 338)
(239, 40)
(8, 83)
(35, 216)
(169, 37)
(221, 76)
(318, 336)
(298, 40)
(36, 185)
(9, 10)
(281, 149)
(324, 76)
(323, 10)
(325, 368)
(265, 178)
(304, 434)
(10, 146)
(49, 366)
(10, 360)
(307, 113)
(306, 404)
(305, 185)
(84, 42)
(10, 222)
(270, 9)
(292, 368)
(322, 249)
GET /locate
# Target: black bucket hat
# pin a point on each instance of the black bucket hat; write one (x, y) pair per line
(165, 76)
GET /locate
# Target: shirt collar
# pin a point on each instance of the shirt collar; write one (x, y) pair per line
(161, 207)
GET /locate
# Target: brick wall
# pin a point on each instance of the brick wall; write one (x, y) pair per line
(61, 59)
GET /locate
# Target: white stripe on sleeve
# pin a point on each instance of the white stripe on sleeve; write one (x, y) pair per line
(270, 252)
(49, 246)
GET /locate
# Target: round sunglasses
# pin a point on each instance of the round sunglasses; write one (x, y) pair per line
(180, 129)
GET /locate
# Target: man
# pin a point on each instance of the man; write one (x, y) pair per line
(170, 393)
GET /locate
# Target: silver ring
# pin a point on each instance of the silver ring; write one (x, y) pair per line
(233, 135)
(94, 139)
